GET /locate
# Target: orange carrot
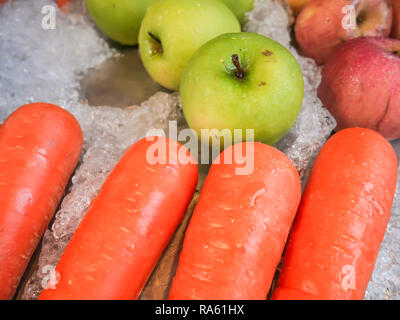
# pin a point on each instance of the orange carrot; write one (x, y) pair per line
(127, 227)
(62, 3)
(342, 219)
(40, 145)
(236, 236)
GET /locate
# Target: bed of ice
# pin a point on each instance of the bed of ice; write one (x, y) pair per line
(47, 65)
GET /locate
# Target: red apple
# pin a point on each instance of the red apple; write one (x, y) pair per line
(323, 24)
(396, 19)
(297, 5)
(361, 85)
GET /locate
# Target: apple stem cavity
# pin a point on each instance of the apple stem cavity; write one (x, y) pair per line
(157, 42)
(239, 73)
(361, 18)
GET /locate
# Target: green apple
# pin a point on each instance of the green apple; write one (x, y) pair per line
(239, 8)
(119, 19)
(172, 31)
(243, 81)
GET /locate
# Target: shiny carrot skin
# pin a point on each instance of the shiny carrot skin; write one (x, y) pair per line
(236, 236)
(129, 224)
(342, 219)
(40, 145)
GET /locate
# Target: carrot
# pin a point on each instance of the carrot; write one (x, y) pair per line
(236, 236)
(40, 145)
(129, 224)
(62, 3)
(342, 219)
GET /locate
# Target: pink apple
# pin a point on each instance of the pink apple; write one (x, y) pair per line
(323, 24)
(361, 85)
(396, 19)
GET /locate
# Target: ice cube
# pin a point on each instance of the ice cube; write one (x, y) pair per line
(385, 281)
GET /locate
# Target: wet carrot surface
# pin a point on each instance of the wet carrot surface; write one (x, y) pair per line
(236, 236)
(342, 219)
(40, 145)
(127, 227)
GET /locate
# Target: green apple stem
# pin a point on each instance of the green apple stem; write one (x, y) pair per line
(158, 45)
(154, 37)
(239, 71)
